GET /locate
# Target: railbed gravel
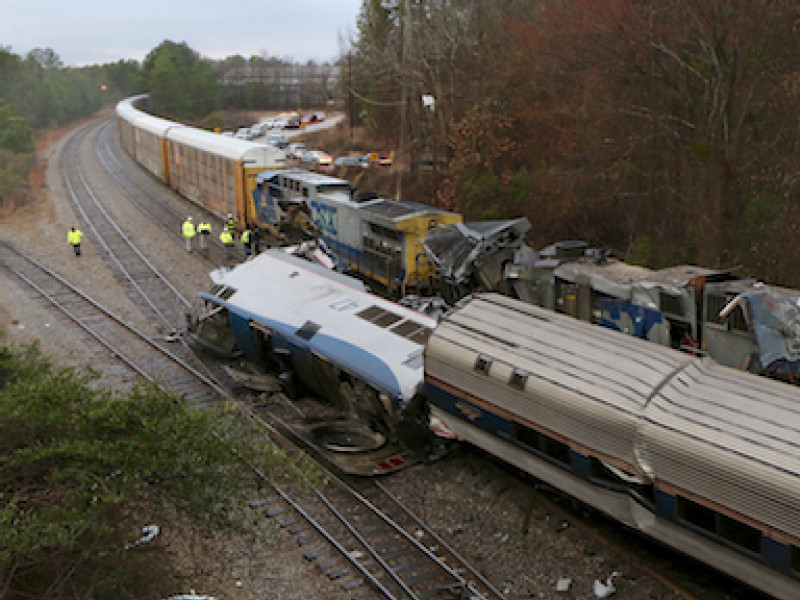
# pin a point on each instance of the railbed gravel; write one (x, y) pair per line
(486, 513)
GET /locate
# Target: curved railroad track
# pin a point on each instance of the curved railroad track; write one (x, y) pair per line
(143, 355)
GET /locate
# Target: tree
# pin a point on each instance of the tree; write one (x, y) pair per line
(15, 135)
(82, 469)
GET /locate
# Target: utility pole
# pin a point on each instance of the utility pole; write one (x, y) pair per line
(405, 32)
(350, 91)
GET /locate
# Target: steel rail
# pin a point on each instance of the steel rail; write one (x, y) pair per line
(108, 313)
(457, 581)
(127, 258)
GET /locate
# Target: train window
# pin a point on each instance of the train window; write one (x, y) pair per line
(794, 558)
(518, 380)
(739, 533)
(544, 444)
(714, 304)
(599, 472)
(379, 316)
(696, 514)
(670, 303)
(413, 331)
(308, 330)
(730, 529)
(483, 364)
(734, 321)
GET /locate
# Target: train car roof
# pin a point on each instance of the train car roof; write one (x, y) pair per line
(746, 429)
(302, 175)
(397, 210)
(601, 364)
(681, 408)
(127, 110)
(332, 315)
(252, 153)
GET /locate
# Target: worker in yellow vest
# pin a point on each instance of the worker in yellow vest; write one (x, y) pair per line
(204, 230)
(188, 233)
(227, 240)
(247, 241)
(74, 238)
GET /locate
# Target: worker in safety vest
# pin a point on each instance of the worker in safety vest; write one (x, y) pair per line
(227, 240)
(230, 224)
(204, 229)
(188, 233)
(74, 238)
(247, 241)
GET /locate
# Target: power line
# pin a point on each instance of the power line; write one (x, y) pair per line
(375, 102)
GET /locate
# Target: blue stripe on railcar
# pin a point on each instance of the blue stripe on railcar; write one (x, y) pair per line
(346, 355)
(465, 410)
(497, 426)
(642, 318)
(773, 554)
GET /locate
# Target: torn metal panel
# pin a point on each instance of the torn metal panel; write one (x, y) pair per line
(459, 250)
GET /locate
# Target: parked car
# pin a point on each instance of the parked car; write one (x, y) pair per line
(385, 161)
(277, 139)
(296, 150)
(292, 123)
(352, 161)
(316, 117)
(317, 158)
(244, 133)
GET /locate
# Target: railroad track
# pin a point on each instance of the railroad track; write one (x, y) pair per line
(359, 534)
(145, 285)
(142, 355)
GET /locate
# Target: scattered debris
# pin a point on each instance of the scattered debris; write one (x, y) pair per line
(148, 533)
(563, 584)
(607, 589)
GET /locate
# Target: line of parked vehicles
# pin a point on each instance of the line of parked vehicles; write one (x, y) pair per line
(272, 129)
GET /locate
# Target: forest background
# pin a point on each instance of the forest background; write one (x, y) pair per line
(664, 131)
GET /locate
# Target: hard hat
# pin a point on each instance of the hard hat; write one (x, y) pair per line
(188, 218)
(230, 216)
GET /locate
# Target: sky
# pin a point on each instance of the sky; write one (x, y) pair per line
(90, 32)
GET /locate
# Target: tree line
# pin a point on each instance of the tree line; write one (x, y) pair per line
(663, 130)
(37, 92)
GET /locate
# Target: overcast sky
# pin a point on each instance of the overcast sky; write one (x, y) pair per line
(86, 32)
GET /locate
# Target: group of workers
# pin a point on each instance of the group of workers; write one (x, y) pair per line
(227, 236)
(190, 231)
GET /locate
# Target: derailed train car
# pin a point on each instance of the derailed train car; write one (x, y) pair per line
(325, 332)
(698, 456)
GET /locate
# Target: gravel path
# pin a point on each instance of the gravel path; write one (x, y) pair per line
(491, 517)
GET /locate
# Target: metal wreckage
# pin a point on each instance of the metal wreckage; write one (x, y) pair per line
(739, 321)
